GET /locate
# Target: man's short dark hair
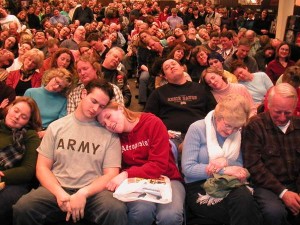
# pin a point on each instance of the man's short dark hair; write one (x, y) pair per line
(214, 34)
(103, 85)
(93, 37)
(226, 34)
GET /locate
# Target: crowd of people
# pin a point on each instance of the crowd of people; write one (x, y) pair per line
(220, 99)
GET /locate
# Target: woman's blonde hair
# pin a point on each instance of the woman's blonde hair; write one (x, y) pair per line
(131, 116)
(63, 74)
(235, 109)
(212, 69)
(36, 55)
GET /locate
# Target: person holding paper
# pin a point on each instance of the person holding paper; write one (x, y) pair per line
(146, 153)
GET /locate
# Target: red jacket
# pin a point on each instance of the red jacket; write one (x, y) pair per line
(14, 78)
(146, 151)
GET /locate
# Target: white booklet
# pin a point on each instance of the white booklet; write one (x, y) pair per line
(152, 190)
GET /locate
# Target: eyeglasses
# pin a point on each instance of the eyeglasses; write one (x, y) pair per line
(58, 84)
(230, 128)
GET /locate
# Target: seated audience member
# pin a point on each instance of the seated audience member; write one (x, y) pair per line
(17, 64)
(40, 40)
(72, 43)
(211, 152)
(110, 72)
(281, 62)
(6, 61)
(88, 69)
(52, 46)
(264, 56)
(204, 35)
(215, 59)
(263, 41)
(256, 83)
(215, 81)
(58, 18)
(179, 98)
(145, 59)
(270, 153)
(148, 161)
(291, 76)
(99, 47)
(227, 43)
(18, 144)
(71, 190)
(192, 35)
(241, 53)
(7, 95)
(51, 97)
(254, 42)
(27, 76)
(212, 17)
(180, 36)
(179, 53)
(85, 48)
(64, 34)
(11, 44)
(63, 58)
(214, 41)
(174, 20)
(197, 62)
(262, 24)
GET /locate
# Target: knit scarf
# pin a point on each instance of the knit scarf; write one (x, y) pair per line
(218, 187)
(231, 146)
(12, 154)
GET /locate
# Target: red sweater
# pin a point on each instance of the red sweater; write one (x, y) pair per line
(275, 69)
(146, 151)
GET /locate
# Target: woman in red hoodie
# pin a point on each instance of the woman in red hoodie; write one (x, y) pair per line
(146, 153)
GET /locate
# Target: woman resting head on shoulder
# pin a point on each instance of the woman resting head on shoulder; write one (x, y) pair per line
(146, 153)
(18, 155)
(58, 80)
(51, 98)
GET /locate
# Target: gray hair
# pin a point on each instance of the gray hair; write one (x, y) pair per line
(284, 90)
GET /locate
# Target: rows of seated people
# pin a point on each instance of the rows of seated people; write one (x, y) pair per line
(220, 114)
